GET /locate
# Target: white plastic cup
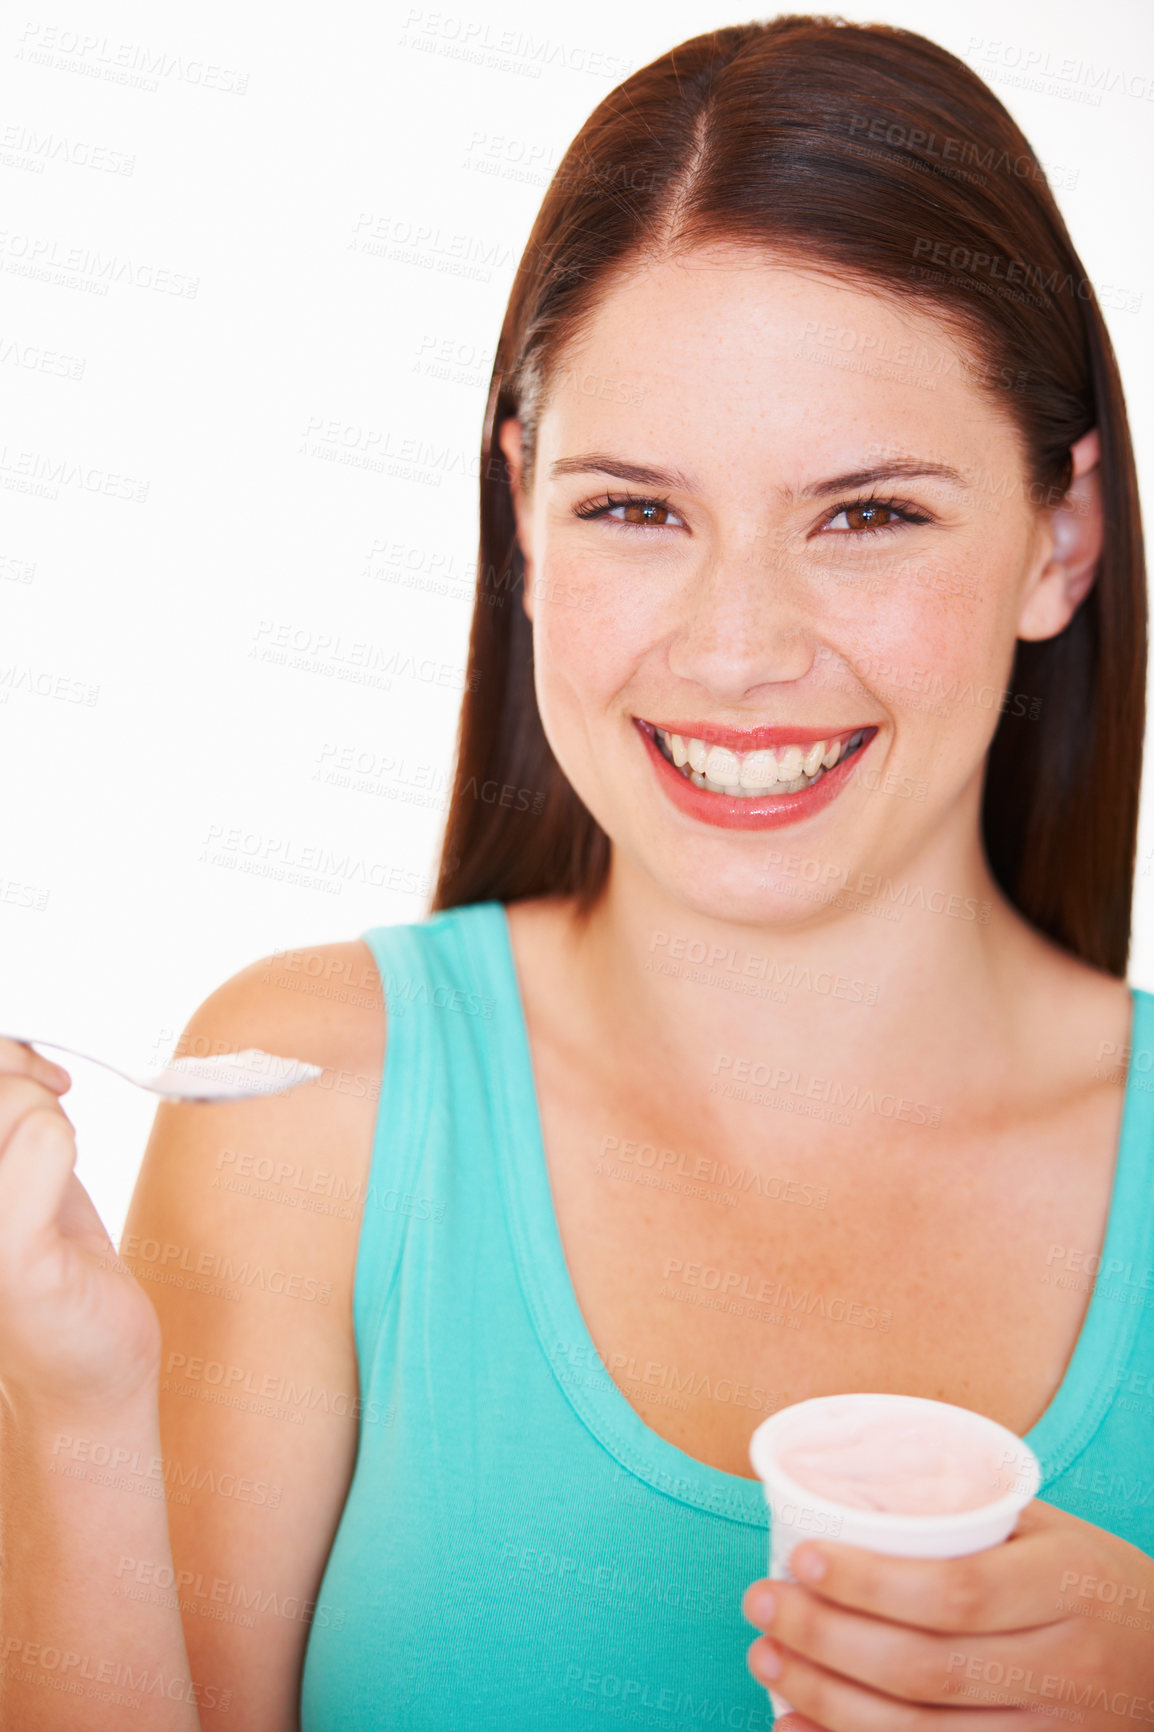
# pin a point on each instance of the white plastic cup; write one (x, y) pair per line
(796, 1513)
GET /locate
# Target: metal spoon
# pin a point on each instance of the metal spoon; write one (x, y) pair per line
(225, 1076)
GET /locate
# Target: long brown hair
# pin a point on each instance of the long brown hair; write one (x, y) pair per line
(879, 154)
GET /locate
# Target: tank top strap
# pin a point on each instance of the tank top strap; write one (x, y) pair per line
(441, 987)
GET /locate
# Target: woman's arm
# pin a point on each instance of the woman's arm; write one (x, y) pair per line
(77, 1658)
(243, 1228)
(231, 1398)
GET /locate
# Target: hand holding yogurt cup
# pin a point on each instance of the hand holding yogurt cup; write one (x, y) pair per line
(892, 1603)
(893, 1473)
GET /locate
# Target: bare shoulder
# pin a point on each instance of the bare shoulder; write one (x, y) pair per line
(323, 1003)
(287, 1173)
(326, 995)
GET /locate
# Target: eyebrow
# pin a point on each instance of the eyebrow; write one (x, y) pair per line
(601, 463)
(898, 468)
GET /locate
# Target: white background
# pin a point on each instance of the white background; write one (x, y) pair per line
(245, 156)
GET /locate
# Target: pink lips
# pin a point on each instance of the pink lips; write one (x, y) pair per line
(755, 813)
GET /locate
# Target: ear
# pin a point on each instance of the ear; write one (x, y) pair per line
(1075, 527)
(509, 438)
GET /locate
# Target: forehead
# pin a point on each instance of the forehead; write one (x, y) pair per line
(751, 357)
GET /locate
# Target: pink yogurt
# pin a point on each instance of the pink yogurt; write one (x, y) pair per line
(916, 1464)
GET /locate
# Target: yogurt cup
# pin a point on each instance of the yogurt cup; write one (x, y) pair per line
(893, 1473)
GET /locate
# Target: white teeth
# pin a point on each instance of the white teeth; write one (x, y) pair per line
(789, 764)
(762, 772)
(758, 770)
(722, 767)
(811, 763)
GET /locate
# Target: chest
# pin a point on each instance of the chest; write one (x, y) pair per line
(748, 1274)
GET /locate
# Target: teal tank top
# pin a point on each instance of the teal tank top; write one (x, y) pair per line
(518, 1548)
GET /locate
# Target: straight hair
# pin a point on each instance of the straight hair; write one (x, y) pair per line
(871, 153)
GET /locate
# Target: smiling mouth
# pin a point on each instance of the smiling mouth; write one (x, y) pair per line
(757, 774)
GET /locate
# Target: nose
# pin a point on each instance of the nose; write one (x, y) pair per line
(744, 621)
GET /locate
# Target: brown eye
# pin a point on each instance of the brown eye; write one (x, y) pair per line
(860, 517)
(869, 515)
(639, 513)
(644, 511)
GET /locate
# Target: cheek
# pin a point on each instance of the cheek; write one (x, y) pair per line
(593, 621)
(926, 627)
(580, 658)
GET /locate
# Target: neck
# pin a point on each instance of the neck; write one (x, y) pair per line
(914, 981)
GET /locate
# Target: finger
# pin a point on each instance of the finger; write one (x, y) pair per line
(20, 1095)
(35, 1168)
(1012, 1586)
(894, 1658)
(19, 1059)
(836, 1704)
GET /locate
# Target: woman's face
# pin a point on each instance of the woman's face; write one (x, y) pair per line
(821, 582)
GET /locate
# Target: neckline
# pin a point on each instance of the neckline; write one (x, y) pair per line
(1074, 1413)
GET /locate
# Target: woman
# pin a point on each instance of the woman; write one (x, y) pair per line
(765, 1040)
